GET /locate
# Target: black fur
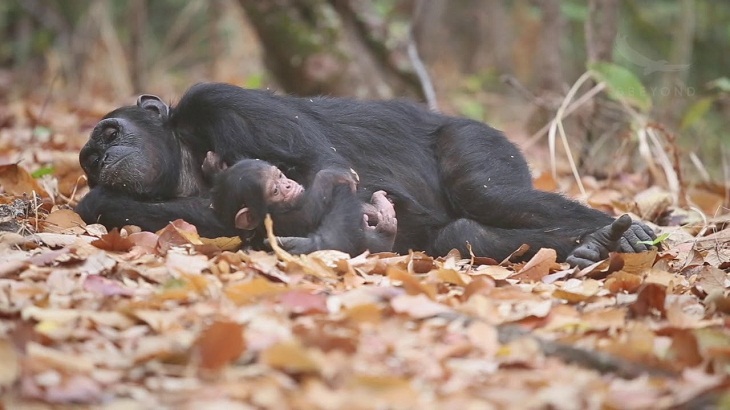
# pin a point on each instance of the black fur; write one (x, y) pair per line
(452, 180)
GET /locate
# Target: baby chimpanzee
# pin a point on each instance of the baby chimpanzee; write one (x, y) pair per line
(327, 215)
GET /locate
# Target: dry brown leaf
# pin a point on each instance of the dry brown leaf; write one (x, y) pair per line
(290, 357)
(637, 263)
(113, 242)
(180, 264)
(711, 279)
(410, 283)
(576, 290)
(144, 242)
(419, 262)
(219, 344)
(177, 233)
(64, 221)
(653, 202)
(479, 285)
(709, 202)
(650, 300)
(301, 302)
(247, 292)
(15, 180)
(10, 369)
(538, 266)
(623, 282)
(495, 272)
(604, 319)
(545, 182)
(418, 306)
(103, 286)
(450, 276)
(685, 350)
(230, 244)
(365, 313)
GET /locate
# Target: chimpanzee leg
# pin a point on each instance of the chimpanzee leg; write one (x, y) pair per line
(498, 243)
(487, 180)
(340, 227)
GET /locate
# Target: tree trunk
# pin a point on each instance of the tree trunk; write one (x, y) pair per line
(138, 37)
(322, 47)
(605, 122)
(464, 36)
(550, 70)
(682, 41)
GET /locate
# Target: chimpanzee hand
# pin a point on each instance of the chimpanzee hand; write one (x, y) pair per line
(622, 235)
(327, 179)
(637, 232)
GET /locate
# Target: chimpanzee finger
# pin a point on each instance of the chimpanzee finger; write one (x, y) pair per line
(643, 232)
(624, 246)
(366, 222)
(383, 205)
(630, 242)
(619, 227)
(587, 254)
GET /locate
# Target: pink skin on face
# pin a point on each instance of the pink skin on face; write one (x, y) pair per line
(281, 189)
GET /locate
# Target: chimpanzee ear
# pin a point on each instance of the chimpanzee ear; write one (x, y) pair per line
(246, 220)
(154, 104)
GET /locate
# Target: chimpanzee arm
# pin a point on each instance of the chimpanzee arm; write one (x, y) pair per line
(113, 209)
(340, 227)
(238, 123)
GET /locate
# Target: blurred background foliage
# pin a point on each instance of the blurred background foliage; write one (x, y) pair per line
(507, 62)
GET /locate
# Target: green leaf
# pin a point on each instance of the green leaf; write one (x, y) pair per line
(574, 11)
(659, 239)
(174, 284)
(696, 111)
(254, 81)
(722, 84)
(469, 108)
(621, 84)
(41, 132)
(42, 171)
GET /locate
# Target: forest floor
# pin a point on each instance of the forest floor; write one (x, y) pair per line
(131, 319)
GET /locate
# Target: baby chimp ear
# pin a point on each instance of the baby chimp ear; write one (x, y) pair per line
(154, 104)
(246, 220)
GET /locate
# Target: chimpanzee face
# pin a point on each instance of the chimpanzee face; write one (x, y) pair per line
(280, 190)
(131, 150)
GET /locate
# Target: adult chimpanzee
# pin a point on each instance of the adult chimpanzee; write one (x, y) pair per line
(453, 181)
(325, 216)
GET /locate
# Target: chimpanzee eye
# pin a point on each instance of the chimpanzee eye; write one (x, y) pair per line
(110, 134)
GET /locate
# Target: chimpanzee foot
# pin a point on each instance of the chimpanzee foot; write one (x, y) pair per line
(622, 235)
(387, 223)
(379, 223)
